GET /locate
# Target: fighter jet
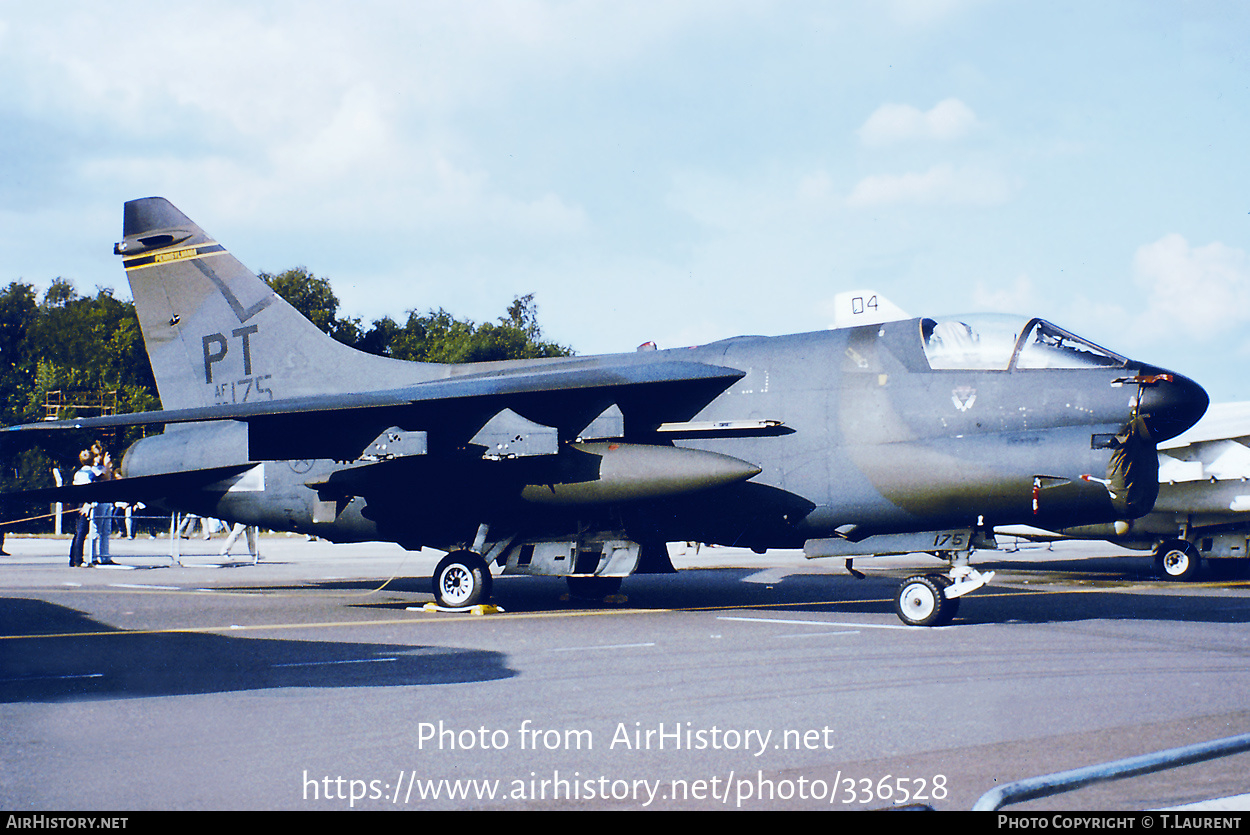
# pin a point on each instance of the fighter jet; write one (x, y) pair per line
(1203, 508)
(913, 433)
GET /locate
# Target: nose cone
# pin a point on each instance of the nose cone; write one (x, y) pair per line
(1170, 404)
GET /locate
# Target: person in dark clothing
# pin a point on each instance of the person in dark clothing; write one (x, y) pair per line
(82, 524)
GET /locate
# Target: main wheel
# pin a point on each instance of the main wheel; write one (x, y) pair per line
(920, 602)
(1177, 560)
(461, 579)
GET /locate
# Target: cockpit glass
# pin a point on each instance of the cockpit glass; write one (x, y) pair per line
(1047, 346)
(993, 342)
(982, 342)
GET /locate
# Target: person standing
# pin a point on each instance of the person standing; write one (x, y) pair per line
(5, 511)
(250, 535)
(102, 467)
(85, 474)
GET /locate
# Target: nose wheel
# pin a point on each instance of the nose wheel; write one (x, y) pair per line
(933, 599)
(922, 601)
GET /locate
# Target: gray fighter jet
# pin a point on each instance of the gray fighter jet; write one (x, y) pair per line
(887, 436)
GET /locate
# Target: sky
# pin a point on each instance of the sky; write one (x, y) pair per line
(677, 171)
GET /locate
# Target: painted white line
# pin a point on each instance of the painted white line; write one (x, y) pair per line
(55, 678)
(826, 623)
(818, 634)
(328, 663)
(607, 646)
(142, 586)
(1236, 803)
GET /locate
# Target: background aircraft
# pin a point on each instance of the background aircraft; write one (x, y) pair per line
(1203, 509)
(916, 431)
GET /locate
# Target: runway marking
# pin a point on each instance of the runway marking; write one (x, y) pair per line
(1235, 803)
(328, 663)
(602, 646)
(830, 623)
(46, 678)
(142, 586)
(444, 619)
(819, 634)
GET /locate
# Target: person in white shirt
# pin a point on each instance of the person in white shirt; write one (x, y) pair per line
(85, 474)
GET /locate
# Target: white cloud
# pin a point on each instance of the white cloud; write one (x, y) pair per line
(941, 185)
(1018, 297)
(893, 123)
(924, 12)
(292, 102)
(1203, 291)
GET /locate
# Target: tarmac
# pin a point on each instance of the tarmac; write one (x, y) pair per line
(180, 679)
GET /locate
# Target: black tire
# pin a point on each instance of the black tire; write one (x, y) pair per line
(920, 601)
(1177, 560)
(593, 588)
(461, 579)
(952, 603)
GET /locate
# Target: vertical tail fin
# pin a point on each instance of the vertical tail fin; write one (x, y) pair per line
(215, 333)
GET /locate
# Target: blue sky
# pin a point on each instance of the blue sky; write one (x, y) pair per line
(668, 171)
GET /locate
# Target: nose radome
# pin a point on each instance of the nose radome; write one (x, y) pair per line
(1170, 403)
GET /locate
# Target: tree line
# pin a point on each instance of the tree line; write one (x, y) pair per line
(89, 349)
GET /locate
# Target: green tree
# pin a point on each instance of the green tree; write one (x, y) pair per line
(314, 298)
(433, 336)
(18, 368)
(84, 344)
(93, 344)
(437, 336)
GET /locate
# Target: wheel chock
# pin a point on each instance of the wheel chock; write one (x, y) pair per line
(479, 609)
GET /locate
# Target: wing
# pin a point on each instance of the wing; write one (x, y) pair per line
(543, 403)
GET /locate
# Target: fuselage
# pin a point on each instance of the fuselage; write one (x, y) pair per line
(882, 428)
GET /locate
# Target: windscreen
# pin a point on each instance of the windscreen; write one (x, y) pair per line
(994, 342)
(1047, 346)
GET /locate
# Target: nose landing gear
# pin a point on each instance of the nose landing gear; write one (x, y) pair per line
(933, 599)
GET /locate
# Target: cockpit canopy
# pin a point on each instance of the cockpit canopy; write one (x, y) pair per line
(996, 342)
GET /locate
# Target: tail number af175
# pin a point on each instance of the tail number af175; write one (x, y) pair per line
(242, 391)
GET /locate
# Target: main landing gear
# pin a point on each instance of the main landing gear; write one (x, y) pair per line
(461, 579)
(1177, 560)
(933, 599)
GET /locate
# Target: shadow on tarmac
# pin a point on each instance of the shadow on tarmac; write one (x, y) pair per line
(52, 653)
(1048, 598)
(1042, 592)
